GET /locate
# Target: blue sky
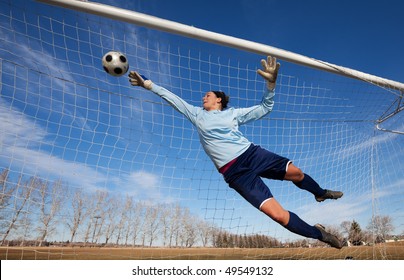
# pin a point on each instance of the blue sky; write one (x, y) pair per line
(363, 35)
(94, 131)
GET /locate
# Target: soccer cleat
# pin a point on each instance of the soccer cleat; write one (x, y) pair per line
(329, 195)
(328, 238)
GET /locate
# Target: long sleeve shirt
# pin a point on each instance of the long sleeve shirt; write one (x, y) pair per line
(219, 130)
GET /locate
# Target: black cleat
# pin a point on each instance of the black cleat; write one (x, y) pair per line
(329, 238)
(329, 195)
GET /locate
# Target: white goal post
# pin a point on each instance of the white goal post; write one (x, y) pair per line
(217, 38)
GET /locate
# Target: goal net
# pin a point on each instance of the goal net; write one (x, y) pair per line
(86, 160)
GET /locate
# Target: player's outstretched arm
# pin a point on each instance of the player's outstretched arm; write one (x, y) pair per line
(136, 79)
(175, 101)
(269, 71)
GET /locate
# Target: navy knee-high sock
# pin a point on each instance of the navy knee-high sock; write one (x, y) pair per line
(298, 226)
(310, 185)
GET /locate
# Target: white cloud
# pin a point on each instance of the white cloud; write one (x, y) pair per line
(16, 129)
(352, 206)
(24, 142)
(142, 185)
(20, 139)
(352, 150)
(143, 179)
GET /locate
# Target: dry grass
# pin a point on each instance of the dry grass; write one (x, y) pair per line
(393, 251)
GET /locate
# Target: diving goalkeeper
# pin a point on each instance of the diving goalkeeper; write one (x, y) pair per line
(242, 163)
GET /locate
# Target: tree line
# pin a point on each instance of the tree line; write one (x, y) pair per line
(224, 239)
(34, 211)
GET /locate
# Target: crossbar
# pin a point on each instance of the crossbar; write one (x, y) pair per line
(217, 38)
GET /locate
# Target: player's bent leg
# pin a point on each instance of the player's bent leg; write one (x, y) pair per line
(275, 211)
(296, 225)
(305, 182)
(293, 173)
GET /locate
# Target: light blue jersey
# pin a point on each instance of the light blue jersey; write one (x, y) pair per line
(218, 130)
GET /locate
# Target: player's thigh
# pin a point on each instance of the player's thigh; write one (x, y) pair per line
(270, 165)
(252, 188)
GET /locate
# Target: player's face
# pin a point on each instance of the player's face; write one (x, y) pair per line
(211, 102)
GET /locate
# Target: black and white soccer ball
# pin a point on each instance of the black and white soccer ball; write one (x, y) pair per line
(115, 63)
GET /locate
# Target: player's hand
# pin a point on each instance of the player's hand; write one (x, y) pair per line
(269, 72)
(136, 79)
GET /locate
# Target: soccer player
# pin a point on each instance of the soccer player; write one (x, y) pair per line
(241, 162)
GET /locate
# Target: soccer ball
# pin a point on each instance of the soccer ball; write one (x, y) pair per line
(115, 63)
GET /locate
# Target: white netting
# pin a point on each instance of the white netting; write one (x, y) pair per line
(87, 159)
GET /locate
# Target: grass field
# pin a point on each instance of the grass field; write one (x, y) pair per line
(393, 251)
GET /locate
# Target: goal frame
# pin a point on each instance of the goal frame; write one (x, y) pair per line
(220, 39)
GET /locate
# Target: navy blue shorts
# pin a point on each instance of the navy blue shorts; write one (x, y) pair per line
(244, 175)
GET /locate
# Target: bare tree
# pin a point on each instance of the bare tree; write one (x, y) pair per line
(3, 178)
(99, 215)
(123, 221)
(127, 228)
(346, 226)
(165, 222)
(188, 232)
(24, 231)
(151, 224)
(205, 231)
(80, 212)
(381, 226)
(95, 216)
(51, 199)
(175, 226)
(112, 211)
(92, 213)
(137, 222)
(23, 193)
(7, 189)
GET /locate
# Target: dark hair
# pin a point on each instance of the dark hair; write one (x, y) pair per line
(225, 98)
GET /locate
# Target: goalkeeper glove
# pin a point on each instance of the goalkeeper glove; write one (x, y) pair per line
(136, 79)
(269, 71)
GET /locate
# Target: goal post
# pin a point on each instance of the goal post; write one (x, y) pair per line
(217, 38)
